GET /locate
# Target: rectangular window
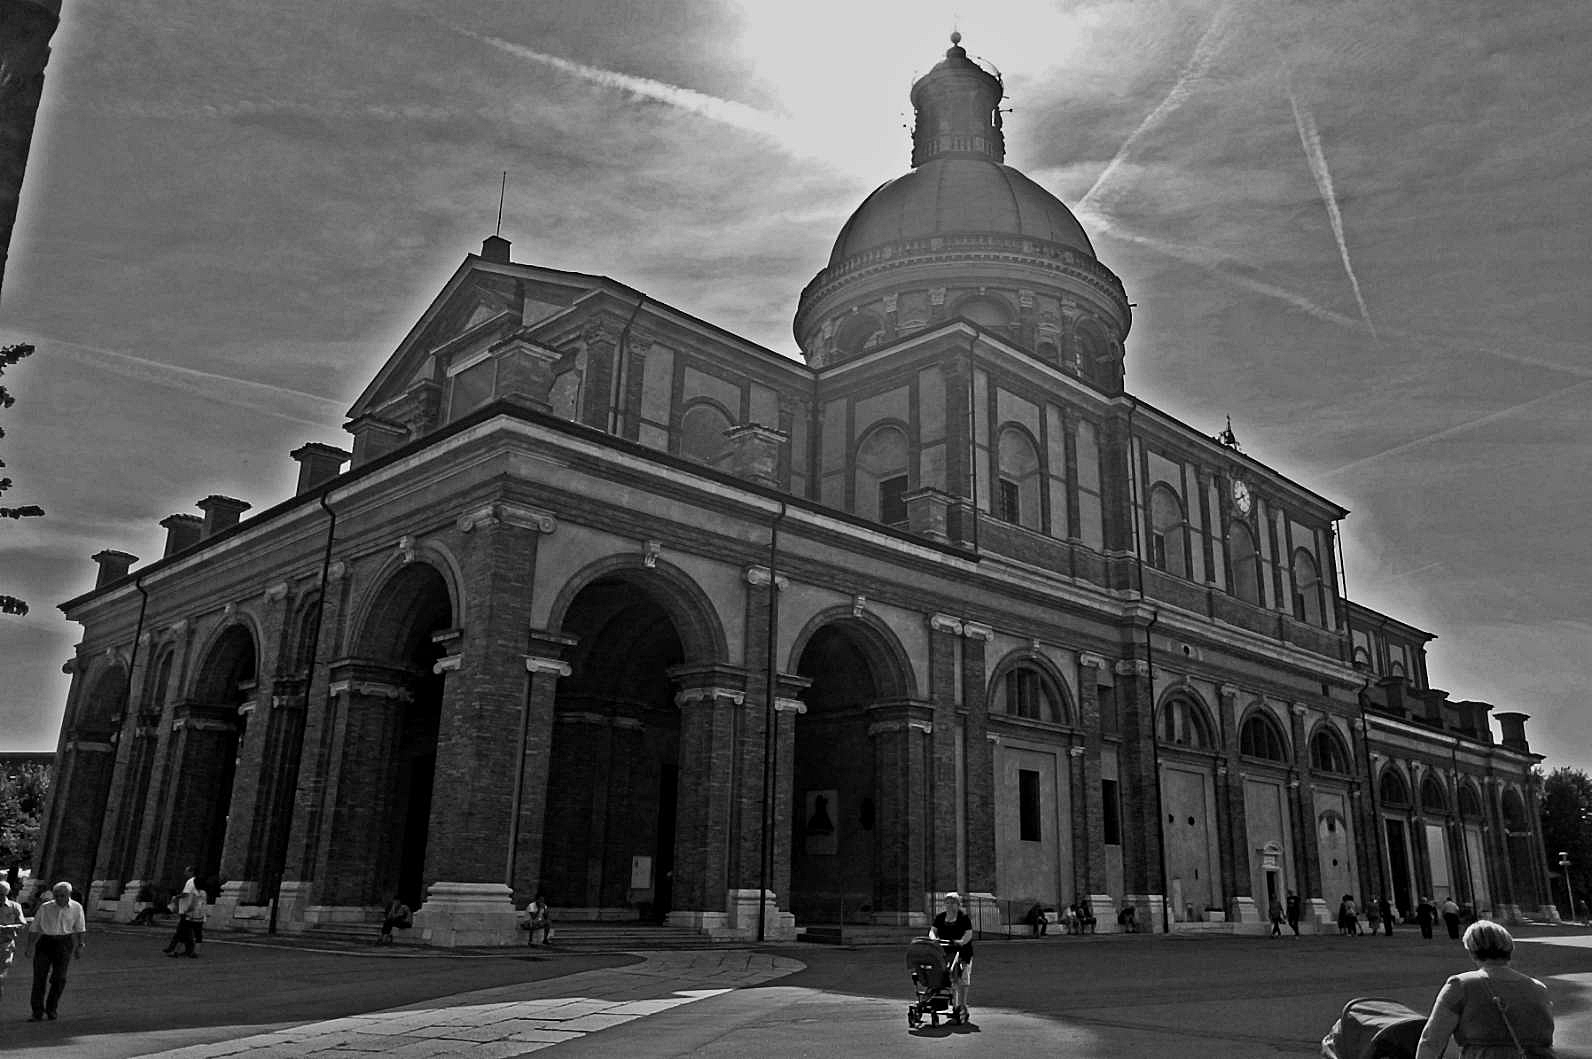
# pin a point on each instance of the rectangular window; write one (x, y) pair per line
(1028, 805)
(1110, 813)
(1157, 550)
(1110, 723)
(892, 500)
(1011, 507)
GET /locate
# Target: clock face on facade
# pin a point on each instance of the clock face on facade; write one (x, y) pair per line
(1241, 497)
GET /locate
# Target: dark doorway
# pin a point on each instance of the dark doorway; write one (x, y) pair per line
(1398, 851)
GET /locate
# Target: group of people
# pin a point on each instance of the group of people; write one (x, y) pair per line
(1379, 914)
(193, 904)
(52, 939)
(1288, 910)
(1076, 918)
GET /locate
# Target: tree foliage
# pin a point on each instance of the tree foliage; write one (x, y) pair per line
(22, 791)
(9, 356)
(1567, 828)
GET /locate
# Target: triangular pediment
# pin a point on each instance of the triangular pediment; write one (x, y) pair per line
(482, 302)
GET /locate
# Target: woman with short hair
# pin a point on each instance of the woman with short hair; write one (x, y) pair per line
(1493, 1012)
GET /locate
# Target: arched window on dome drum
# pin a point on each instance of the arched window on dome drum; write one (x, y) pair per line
(858, 333)
(1469, 802)
(1328, 754)
(1245, 563)
(1185, 723)
(882, 461)
(702, 430)
(1434, 799)
(1018, 495)
(1027, 691)
(1095, 360)
(1391, 790)
(1168, 536)
(1260, 737)
(986, 312)
(1307, 588)
(1049, 353)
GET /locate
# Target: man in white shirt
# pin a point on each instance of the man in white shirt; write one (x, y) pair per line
(54, 937)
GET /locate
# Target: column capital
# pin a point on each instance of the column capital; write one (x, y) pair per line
(1228, 691)
(538, 664)
(908, 725)
(1075, 751)
(1132, 667)
(945, 623)
(335, 572)
(1298, 709)
(709, 693)
(1093, 661)
(276, 593)
(789, 706)
(373, 689)
(977, 630)
(757, 576)
(502, 512)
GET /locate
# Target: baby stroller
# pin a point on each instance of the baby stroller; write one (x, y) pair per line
(931, 970)
(1374, 1028)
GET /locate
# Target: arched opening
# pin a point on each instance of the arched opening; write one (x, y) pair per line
(859, 333)
(1187, 795)
(1307, 588)
(985, 311)
(1017, 492)
(1328, 753)
(140, 765)
(1185, 723)
(1517, 832)
(613, 779)
(882, 475)
(395, 714)
(1393, 794)
(1261, 737)
(1168, 536)
(1027, 691)
(702, 430)
(85, 772)
(834, 843)
(1245, 563)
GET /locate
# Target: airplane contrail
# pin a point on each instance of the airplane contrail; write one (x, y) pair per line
(1317, 160)
(1458, 428)
(1194, 71)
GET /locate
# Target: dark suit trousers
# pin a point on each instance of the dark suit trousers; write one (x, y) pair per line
(52, 954)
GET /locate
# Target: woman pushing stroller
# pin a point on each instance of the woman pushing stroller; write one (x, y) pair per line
(954, 929)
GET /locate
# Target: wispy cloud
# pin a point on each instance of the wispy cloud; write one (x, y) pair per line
(1310, 138)
(1188, 81)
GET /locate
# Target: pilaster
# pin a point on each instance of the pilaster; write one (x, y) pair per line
(980, 760)
(900, 733)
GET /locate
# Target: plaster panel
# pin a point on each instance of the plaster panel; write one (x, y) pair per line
(892, 404)
(931, 405)
(1029, 870)
(1186, 820)
(657, 384)
(1335, 844)
(1266, 816)
(698, 383)
(764, 406)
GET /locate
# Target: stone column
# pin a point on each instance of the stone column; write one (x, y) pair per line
(945, 648)
(1237, 823)
(786, 710)
(1143, 878)
(1546, 909)
(598, 385)
(980, 757)
(473, 827)
(83, 766)
(546, 667)
(1309, 881)
(1498, 852)
(110, 862)
(1091, 667)
(710, 698)
(900, 732)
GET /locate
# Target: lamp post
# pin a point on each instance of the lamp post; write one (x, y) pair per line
(1569, 892)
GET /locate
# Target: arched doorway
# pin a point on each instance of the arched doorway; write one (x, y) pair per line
(394, 711)
(205, 753)
(836, 866)
(85, 777)
(608, 845)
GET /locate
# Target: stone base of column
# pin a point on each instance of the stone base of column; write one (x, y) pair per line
(96, 904)
(1150, 909)
(744, 906)
(713, 924)
(1550, 913)
(1244, 910)
(127, 904)
(1318, 912)
(458, 914)
(596, 914)
(292, 904)
(236, 906)
(1105, 912)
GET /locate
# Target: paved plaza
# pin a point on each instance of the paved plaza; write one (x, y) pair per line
(1105, 996)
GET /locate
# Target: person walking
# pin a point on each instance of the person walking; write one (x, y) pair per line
(1384, 907)
(1373, 917)
(955, 927)
(1426, 916)
(184, 933)
(55, 937)
(1274, 913)
(1493, 1010)
(12, 923)
(1451, 917)
(1292, 912)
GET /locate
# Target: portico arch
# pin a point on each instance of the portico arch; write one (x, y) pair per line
(83, 776)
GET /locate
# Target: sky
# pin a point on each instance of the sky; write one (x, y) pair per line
(1360, 229)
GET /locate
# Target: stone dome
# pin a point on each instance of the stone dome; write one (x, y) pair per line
(958, 196)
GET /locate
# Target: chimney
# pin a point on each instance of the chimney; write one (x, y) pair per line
(221, 513)
(113, 566)
(1514, 731)
(495, 248)
(182, 532)
(318, 464)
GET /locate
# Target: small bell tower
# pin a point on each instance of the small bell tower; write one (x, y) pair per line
(958, 110)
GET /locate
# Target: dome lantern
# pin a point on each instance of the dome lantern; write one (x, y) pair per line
(957, 106)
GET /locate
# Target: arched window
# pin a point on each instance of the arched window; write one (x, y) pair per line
(1018, 484)
(1396, 669)
(1096, 363)
(702, 433)
(1185, 723)
(987, 312)
(882, 475)
(1391, 790)
(1245, 563)
(1260, 737)
(1327, 753)
(1307, 588)
(1469, 802)
(1433, 798)
(1028, 691)
(1168, 538)
(859, 332)
(1362, 658)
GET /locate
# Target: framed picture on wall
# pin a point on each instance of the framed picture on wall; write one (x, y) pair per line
(819, 813)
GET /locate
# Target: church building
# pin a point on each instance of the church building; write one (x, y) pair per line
(611, 604)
